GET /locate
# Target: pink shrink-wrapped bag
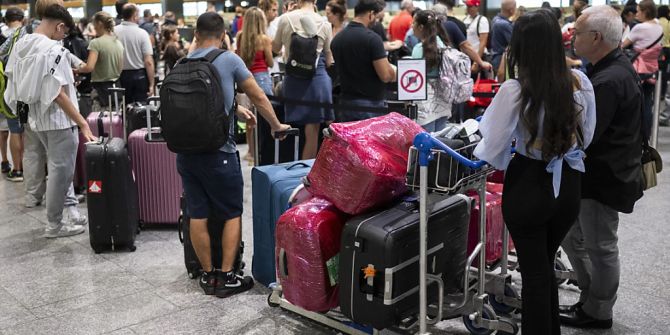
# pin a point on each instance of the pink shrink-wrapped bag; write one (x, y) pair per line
(307, 253)
(362, 164)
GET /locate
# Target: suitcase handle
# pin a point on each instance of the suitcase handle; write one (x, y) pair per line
(301, 164)
(288, 132)
(283, 271)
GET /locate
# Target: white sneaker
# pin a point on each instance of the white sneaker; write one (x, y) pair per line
(72, 216)
(63, 231)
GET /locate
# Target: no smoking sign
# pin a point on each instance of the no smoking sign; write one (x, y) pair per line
(411, 79)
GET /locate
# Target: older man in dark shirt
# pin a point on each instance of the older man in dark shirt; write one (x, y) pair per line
(612, 182)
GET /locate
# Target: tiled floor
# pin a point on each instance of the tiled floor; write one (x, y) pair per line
(61, 287)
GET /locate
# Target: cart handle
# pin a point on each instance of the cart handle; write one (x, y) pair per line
(424, 143)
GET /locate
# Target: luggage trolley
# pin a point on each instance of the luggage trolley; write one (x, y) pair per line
(464, 174)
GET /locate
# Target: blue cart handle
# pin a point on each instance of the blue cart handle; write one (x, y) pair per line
(424, 143)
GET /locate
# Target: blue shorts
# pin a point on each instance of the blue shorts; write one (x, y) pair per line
(212, 182)
(15, 127)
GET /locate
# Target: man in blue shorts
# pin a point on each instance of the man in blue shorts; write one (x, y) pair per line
(213, 181)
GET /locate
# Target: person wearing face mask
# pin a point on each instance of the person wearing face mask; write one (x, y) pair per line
(368, 70)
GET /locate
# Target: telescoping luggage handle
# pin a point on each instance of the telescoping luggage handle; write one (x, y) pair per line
(115, 90)
(295, 132)
(149, 108)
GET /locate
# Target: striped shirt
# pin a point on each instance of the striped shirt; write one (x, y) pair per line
(37, 70)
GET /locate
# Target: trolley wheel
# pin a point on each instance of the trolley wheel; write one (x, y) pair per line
(560, 266)
(487, 313)
(515, 326)
(270, 303)
(500, 307)
(97, 250)
(132, 248)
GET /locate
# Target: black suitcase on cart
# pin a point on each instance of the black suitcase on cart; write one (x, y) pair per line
(193, 267)
(386, 244)
(112, 198)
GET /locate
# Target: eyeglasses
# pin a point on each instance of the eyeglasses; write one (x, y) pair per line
(576, 32)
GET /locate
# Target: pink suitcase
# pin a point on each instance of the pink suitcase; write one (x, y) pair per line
(307, 248)
(158, 182)
(115, 125)
(494, 224)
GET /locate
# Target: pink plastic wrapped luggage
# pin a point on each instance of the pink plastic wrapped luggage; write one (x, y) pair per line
(494, 224)
(362, 164)
(307, 253)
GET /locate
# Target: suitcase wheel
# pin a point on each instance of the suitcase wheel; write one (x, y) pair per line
(191, 275)
(132, 248)
(97, 250)
(271, 303)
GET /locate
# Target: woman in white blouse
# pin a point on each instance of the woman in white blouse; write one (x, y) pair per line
(549, 113)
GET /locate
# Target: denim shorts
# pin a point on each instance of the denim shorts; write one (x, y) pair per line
(264, 80)
(15, 127)
(212, 182)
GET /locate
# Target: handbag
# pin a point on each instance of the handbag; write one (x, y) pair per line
(652, 164)
(632, 54)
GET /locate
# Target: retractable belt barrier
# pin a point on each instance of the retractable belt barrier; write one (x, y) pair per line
(410, 109)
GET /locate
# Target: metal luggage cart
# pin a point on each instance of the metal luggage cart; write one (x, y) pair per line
(464, 173)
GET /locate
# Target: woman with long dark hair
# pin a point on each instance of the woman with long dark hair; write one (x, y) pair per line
(549, 111)
(434, 112)
(170, 46)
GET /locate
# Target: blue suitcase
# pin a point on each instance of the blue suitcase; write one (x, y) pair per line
(271, 187)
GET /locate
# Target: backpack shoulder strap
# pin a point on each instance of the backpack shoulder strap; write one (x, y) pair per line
(212, 55)
(479, 20)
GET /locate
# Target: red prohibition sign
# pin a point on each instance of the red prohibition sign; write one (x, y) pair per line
(410, 78)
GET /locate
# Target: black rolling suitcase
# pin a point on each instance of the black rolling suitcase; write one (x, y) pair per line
(379, 258)
(193, 267)
(112, 199)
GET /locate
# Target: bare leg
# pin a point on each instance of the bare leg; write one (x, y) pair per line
(311, 140)
(4, 135)
(232, 233)
(201, 243)
(16, 148)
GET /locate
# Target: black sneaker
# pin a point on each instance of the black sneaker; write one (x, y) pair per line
(228, 283)
(6, 167)
(15, 176)
(208, 282)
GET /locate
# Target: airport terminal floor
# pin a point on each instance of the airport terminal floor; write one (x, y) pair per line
(60, 286)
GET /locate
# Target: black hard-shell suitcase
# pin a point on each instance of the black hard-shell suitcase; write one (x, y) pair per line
(193, 267)
(379, 259)
(112, 199)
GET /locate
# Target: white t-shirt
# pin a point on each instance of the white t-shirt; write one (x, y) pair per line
(644, 34)
(473, 34)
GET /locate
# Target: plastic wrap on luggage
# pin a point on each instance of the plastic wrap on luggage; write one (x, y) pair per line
(494, 224)
(307, 254)
(362, 164)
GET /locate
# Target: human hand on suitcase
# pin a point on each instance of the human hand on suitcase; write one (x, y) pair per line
(282, 128)
(245, 114)
(88, 135)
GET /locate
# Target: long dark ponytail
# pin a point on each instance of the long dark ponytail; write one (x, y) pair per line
(537, 60)
(433, 28)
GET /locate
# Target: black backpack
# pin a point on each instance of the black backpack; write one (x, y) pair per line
(302, 55)
(193, 116)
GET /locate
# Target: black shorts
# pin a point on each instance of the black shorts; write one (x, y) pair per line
(212, 182)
